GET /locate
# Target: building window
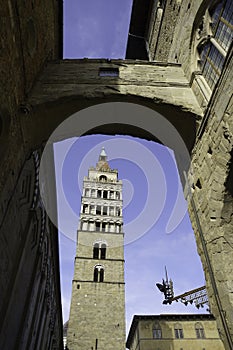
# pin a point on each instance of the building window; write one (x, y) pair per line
(99, 251)
(157, 332)
(178, 331)
(98, 273)
(103, 178)
(213, 49)
(98, 210)
(105, 210)
(103, 251)
(96, 251)
(92, 209)
(108, 72)
(97, 226)
(85, 208)
(111, 211)
(199, 331)
(118, 228)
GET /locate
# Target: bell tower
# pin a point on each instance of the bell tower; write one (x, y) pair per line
(97, 312)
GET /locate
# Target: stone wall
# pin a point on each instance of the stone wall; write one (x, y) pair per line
(165, 19)
(98, 309)
(30, 36)
(102, 306)
(30, 305)
(213, 198)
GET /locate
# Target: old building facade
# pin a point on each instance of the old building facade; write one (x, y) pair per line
(97, 312)
(179, 65)
(165, 332)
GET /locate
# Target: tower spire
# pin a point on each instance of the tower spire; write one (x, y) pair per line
(103, 155)
(102, 162)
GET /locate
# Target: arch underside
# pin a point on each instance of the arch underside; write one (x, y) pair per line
(71, 86)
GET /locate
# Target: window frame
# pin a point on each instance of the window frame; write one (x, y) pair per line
(178, 331)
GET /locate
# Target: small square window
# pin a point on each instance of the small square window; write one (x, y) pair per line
(109, 72)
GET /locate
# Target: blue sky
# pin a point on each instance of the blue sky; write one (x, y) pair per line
(149, 252)
(96, 29)
(99, 29)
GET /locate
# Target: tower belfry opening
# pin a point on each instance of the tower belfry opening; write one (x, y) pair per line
(98, 292)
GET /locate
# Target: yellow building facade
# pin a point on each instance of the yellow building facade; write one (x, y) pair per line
(174, 332)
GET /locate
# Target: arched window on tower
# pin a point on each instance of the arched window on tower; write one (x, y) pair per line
(103, 178)
(101, 275)
(99, 251)
(97, 226)
(104, 226)
(96, 251)
(98, 210)
(103, 251)
(214, 46)
(199, 330)
(85, 208)
(98, 273)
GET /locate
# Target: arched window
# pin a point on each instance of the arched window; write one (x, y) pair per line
(103, 251)
(199, 330)
(213, 47)
(99, 251)
(111, 211)
(97, 226)
(101, 275)
(178, 329)
(118, 227)
(98, 273)
(105, 210)
(96, 251)
(103, 178)
(98, 210)
(104, 226)
(85, 208)
(157, 331)
(87, 192)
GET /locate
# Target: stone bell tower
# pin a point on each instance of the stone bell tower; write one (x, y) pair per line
(97, 312)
